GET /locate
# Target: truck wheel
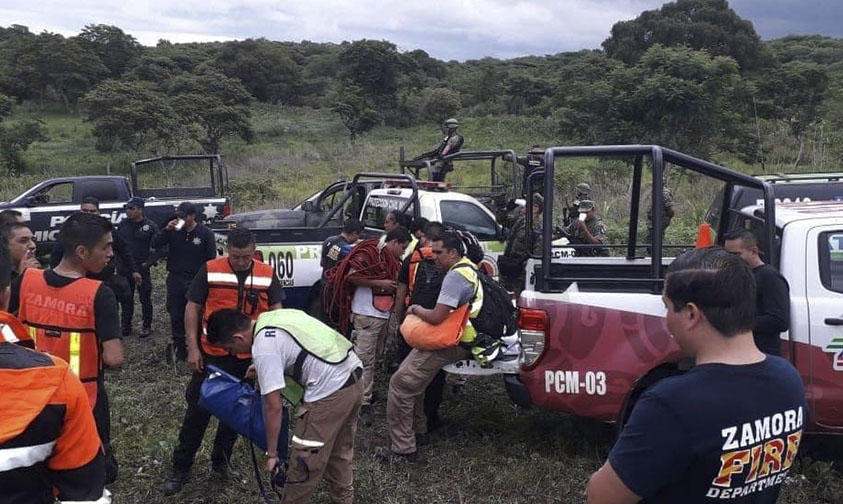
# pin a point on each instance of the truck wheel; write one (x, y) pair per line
(314, 307)
(516, 391)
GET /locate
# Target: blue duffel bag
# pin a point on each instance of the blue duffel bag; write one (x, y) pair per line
(240, 407)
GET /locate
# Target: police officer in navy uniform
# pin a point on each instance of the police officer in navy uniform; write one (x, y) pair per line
(137, 233)
(190, 245)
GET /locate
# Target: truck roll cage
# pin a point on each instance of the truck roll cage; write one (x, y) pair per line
(217, 170)
(658, 156)
(497, 183)
(351, 190)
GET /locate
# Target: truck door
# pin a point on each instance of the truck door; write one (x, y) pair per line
(824, 285)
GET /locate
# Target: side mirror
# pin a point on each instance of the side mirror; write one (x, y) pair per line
(31, 201)
(309, 206)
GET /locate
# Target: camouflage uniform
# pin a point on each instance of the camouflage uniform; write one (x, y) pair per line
(516, 248)
(578, 237)
(667, 196)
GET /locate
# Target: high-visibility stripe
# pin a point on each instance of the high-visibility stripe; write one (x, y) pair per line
(222, 277)
(33, 333)
(307, 443)
(231, 279)
(75, 349)
(24, 456)
(8, 334)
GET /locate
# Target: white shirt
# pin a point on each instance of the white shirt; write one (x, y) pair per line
(274, 351)
(361, 303)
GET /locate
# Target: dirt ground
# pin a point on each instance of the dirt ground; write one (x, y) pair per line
(490, 451)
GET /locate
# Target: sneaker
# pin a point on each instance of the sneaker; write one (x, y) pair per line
(365, 415)
(175, 482)
(146, 332)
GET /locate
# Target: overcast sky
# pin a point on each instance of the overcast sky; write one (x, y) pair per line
(455, 29)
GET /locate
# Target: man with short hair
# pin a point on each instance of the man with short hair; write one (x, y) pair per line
(75, 317)
(10, 217)
(370, 318)
(190, 245)
(588, 229)
(304, 360)
(461, 286)
(237, 281)
(336, 247)
(21, 245)
(137, 233)
(47, 431)
(701, 436)
(772, 305)
(120, 272)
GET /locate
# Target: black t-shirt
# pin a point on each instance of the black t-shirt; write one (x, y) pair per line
(718, 433)
(332, 251)
(198, 292)
(188, 250)
(106, 315)
(772, 309)
(428, 282)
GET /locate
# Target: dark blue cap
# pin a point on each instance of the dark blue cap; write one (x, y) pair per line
(136, 201)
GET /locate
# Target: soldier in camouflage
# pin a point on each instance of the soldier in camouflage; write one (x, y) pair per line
(517, 251)
(572, 211)
(451, 144)
(668, 211)
(587, 231)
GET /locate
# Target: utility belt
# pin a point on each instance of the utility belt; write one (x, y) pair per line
(353, 378)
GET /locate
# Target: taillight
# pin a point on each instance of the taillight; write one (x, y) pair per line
(258, 255)
(534, 326)
(226, 210)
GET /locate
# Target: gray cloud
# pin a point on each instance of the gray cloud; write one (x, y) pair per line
(454, 29)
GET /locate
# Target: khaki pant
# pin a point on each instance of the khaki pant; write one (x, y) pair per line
(404, 411)
(368, 344)
(323, 442)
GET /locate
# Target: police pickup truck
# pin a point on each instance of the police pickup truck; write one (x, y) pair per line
(593, 329)
(47, 205)
(295, 251)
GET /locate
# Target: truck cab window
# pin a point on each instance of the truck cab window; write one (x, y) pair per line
(377, 207)
(830, 249)
(55, 194)
(103, 190)
(465, 216)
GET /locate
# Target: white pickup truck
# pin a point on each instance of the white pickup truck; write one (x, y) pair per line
(593, 327)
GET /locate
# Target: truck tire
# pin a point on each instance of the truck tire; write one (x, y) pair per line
(516, 391)
(314, 307)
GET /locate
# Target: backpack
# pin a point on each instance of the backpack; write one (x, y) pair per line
(497, 317)
(471, 247)
(427, 284)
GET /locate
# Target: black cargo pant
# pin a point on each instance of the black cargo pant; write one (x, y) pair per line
(177, 286)
(434, 391)
(102, 417)
(127, 308)
(196, 418)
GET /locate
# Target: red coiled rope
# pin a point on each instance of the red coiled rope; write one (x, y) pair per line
(365, 261)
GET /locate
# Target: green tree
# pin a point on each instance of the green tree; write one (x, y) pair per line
(131, 115)
(215, 106)
(794, 93)
(15, 138)
(439, 103)
(356, 112)
(116, 49)
(372, 68)
(267, 69)
(699, 24)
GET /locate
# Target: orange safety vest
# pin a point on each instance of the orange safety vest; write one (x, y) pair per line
(61, 321)
(224, 292)
(419, 255)
(12, 331)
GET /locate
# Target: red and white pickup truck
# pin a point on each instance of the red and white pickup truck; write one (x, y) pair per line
(593, 329)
